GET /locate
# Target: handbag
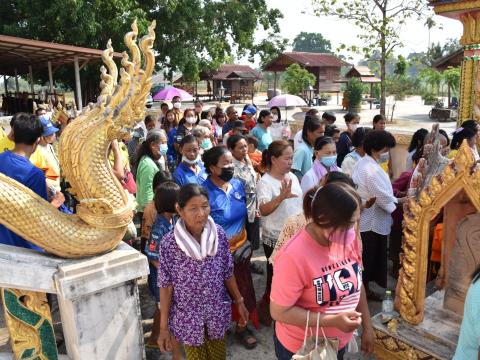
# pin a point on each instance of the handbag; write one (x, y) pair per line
(129, 183)
(315, 348)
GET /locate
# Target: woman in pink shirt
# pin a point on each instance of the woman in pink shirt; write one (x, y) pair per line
(320, 270)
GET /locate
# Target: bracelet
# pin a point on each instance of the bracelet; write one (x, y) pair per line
(239, 301)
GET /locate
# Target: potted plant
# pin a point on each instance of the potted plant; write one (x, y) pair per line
(355, 95)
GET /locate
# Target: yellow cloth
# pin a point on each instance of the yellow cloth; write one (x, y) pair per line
(45, 159)
(238, 240)
(5, 142)
(384, 166)
(452, 154)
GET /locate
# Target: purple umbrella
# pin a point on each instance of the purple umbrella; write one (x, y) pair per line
(170, 92)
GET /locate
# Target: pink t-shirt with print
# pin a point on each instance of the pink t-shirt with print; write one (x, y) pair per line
(317, 278)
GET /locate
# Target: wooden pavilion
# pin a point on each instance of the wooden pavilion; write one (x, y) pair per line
(325, 67)
(365, 75)
(22, 56)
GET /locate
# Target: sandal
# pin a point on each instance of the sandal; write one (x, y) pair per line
(245, 337)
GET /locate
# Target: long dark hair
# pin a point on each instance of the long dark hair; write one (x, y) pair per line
(153, 137)
(460, 135)
(169, 126)
(310, 124)
(417, 139)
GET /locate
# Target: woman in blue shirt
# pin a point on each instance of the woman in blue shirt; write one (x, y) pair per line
(190, 170)
(170, 126)
(229, 210)
(313, 128)
(261, 131)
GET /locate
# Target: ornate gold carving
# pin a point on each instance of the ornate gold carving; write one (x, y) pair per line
(105, 208)
(388, 347)
(467, 81)
(441, 8)
(471, 28)
(403, 139)
(458, 175)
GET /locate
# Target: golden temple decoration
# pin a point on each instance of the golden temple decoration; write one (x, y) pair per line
(471, 28)
(104, 209)
(455, 177)
(442, 8)
(388, 347)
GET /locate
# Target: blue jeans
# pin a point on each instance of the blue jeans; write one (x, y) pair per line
(283, 353)
(152, 283)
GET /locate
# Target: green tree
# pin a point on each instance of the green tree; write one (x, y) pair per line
(297, 79)
(380, 22)
(311, 42)
(452, 78)
(432, 78)
(192, 35)
(401, 66)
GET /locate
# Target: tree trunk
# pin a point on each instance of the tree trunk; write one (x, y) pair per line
(383, 94)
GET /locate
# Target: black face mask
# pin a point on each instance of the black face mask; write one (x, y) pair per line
(227, 174)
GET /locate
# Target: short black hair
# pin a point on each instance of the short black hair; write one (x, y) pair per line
(159, 178)
(198, 102)
(329, 116)
(252, 140)
(166, 196)
(233, 140)
(322, 141)
(330, 130)
(27, 128)
(350, 116)
(163, 105)
(262, 114)
(148, 119)
(377, 140)
(37, 111)
(359, 135)
(187, 192)
(472, 124)
(211, 156)
(188, 139)
(377, 118)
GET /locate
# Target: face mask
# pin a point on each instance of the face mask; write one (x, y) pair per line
(352, 127)
(384, 157)
(328, 161)
(188, 161)
(191, 120)
(177, 105)
(227, 174)
(163, 149)
(275, 117)
(206, 144)
(343, 236)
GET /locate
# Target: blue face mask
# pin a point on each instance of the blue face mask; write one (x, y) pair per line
(384, 157)
(328, 161)
(163, 149)
(206, 144)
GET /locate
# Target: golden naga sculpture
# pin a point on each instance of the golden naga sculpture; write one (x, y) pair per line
(459, 175)
(104, 210)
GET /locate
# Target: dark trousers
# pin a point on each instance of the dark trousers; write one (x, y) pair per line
(253, 233)
(374, 258)
(394, 249)
(268, 250)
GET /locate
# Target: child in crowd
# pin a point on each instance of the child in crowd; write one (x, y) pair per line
(165, 199)
(254, 154)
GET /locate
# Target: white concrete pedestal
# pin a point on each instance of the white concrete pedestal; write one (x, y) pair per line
(98, 298)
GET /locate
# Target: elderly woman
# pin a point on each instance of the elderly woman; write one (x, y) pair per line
(203, 135)
(228, 209)
(195, 277)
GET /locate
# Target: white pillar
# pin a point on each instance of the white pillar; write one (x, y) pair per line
(30, 73)
(77, 83)
(16, 81)
(50, 76)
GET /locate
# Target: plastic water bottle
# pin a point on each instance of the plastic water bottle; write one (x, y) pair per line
(387, 304)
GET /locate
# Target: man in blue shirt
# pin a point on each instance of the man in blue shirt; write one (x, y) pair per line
(26, 129)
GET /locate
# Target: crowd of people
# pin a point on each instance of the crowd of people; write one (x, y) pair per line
(212, 186)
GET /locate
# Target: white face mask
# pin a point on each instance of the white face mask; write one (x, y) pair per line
(275, 117)
(191, 120)
(177, 105)
(352, 127)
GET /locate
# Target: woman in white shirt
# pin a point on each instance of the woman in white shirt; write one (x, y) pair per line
(352, 157)
(376, 221)
(279, 196)
(325, 162)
